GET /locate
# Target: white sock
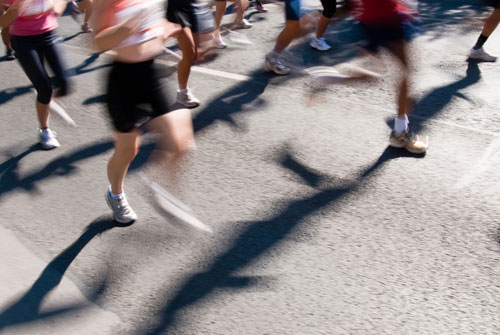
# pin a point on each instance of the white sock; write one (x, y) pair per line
(115, 196)
(183, 91)
(400, 125)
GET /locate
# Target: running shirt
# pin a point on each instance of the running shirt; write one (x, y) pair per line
(151, 27)
(36, 19)
(380, 12)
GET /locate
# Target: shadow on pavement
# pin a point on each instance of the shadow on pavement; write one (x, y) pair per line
(61, 166)
(231, 102)
(435, 101)
(27, 308)
(10, 93)
(259, 237)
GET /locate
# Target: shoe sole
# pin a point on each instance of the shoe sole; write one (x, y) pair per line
(193, 105)
(402, 146)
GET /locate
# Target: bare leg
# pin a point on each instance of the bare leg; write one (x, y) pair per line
(491, 23)
(6, 37)
(398, 49)
(220, 9)
(87, 6)
(322, 25)
(291, 30)
(43, 114)
(188, 48)
(126, 148)
(242, 5)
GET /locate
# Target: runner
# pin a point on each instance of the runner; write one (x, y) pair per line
(384, 25)
(32, 30)
(477, 52)
(318, 42)
(182, 12)
(239, 22)
(136, 32)
(82, 6)
(295, 25)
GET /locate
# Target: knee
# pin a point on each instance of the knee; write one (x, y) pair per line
(44, 94)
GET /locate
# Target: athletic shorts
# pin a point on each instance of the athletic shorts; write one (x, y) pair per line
(379, 36)
(294, 9)
(182, 13)
(494, 3)
(131, 86)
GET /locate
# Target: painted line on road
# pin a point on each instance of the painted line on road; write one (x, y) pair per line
(243, 78)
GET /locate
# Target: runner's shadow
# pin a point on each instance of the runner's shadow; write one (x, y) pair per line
(10, 93)
(27, 308)
(82, 68)
(435, 101)
(232, 102)
(261, 236)
(61, 166)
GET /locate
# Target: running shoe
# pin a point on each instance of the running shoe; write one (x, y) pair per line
(10, 55)
(187, 99)
(272, 63)
(122, 212)
(480, 54)
(243, 24)
(219, 42)
(48, 139)
(415, 144)
(260, 8)
(319, 44)
(86, 28)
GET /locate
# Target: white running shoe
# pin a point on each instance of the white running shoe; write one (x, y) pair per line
(319, 44)
(219, 42)
(272, 63)
(243, 24)
(187, 99)
(480, 54)
(122, 212)
(48, 139)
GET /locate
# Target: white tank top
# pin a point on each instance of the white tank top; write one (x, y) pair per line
(152, 25)
(34, 7)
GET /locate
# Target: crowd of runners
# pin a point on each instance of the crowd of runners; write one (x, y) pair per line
(135, 31)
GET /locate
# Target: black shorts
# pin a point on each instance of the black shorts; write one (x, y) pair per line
(495, 3)
(329, 8)
(130, 86)
(379, 36)
(182, 13)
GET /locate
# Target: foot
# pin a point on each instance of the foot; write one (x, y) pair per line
(243, 24)
(480, 54)
(86, 28)
(10, 55)
(122, 212)
(272, 63)
(260, 8)
(48, 139)
(187, 99)
(319, 44)
(415, 144)
(219, 42)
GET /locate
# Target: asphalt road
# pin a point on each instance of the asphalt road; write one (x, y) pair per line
(319, 227)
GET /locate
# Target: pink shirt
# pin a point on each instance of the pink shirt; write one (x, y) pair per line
(36, 19)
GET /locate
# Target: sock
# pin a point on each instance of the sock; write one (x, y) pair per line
(480, 41)
(400, 125)
(115, 196)
(183, 91)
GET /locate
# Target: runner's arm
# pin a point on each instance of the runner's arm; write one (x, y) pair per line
(11, 13)
(59, 7)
